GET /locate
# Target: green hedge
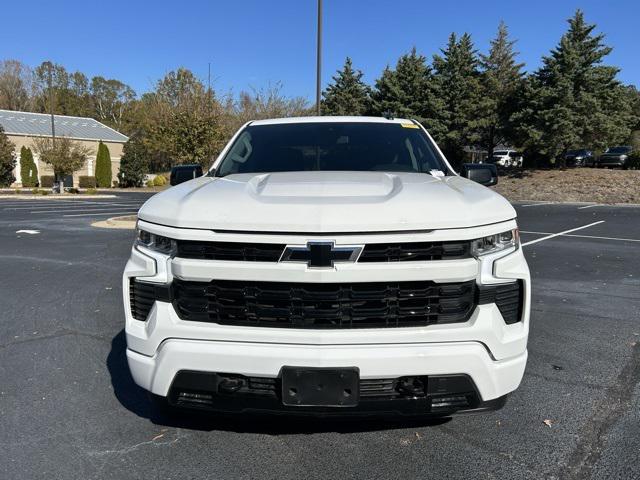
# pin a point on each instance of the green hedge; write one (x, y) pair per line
(46, 181)
(633, 162)
(85, 181)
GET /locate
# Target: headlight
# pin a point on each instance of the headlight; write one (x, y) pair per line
(623, 157)
(154, 242)
(495, 243)
(578, 158)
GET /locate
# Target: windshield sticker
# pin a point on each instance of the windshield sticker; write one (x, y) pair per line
(409, 125)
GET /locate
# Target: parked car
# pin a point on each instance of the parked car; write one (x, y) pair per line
(579, 158)
(506, 158)
(182, 173)
(615, 157)
(329, 265)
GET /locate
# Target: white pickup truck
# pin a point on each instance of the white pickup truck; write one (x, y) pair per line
(329, 265)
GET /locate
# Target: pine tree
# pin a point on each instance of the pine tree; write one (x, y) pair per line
(347, 94)
(134, 164)
(500, 82)
(458, 77)
(409, 91)
(573, 100)
(7, 160)
(103, 166)
(28, 169)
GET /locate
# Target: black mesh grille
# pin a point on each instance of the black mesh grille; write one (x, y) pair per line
(324, 305)
(374, 252)
(241, 252)
(508, 297)
(414, 251)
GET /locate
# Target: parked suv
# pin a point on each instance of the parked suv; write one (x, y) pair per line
(579, 158)
(506, 158)
(329, 265)
(615, 157)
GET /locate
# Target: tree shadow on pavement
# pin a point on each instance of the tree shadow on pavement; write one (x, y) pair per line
(138, 401)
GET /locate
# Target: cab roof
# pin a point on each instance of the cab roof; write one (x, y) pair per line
(330, 119)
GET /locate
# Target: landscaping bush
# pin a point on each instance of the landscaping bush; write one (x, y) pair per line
(91, 191)
(159, 181)
(28, 169)
(73, 190)
(85, 181)
(46, 181)
(633, 162)
(103, 166)
(149, 183)
(35, 191)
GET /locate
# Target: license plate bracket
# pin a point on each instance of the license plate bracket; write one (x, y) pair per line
(320, 387)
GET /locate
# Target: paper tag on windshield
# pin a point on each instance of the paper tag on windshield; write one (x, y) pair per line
(436, 173)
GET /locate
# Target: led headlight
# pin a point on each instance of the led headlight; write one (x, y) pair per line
(154, 242)
(495, 243)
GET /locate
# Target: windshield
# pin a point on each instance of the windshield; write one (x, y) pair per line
(619, 150)
(331, 146)
(501, 153)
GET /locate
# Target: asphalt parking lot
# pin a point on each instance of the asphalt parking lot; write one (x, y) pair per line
(69, 409)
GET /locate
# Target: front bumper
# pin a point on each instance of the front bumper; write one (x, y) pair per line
(491, 353)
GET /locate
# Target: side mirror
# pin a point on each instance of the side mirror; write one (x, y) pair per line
(484, 173)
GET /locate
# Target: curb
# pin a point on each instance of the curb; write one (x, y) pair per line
(127, 222)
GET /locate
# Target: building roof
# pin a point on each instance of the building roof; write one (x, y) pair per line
(39, 125)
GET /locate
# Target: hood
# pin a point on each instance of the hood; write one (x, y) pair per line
(327, 202)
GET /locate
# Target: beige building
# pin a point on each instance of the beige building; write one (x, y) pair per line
(22, 127)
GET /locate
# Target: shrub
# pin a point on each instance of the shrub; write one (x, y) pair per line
(633, 162)
(46, 181)
(91, 191)
(28, 169)
(149, 183)
(159, 181)
(103, 166)
(44, 192)
(73, 190)
(35, 191)
(134, 163)
(85, 181)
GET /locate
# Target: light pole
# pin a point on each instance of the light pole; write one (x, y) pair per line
(319, 58)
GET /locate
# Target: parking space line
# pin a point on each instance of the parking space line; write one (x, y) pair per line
(536, 204)
(618, 239)
(591, 206)
(73, 204)
(103, 213)
(87, 209)
(561, 233)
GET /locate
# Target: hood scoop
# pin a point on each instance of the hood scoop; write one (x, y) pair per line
(324, 185)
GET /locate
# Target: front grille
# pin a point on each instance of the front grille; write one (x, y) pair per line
(414, 251)
(240, 252)
(374, 252)
(324, 305)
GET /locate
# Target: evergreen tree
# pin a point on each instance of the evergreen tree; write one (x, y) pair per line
(458, 77)
(500, 82)
(134, 164)
(348, 94)
(410, 92)
(573, 100)
(7, 160)
(28, 169)
(103, 166)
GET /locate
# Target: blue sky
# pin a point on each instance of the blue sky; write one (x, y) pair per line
(251, 42)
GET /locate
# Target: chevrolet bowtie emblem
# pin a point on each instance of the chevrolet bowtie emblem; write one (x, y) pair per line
(321, 254)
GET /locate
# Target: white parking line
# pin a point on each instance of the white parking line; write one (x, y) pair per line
(103, 213)
(561, 233)
(591, 206)
(618, 239)
(90, 208)
(74, 204)
(536, 204)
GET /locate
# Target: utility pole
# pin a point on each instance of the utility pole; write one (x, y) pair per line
(56, 180)
(319, 58)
